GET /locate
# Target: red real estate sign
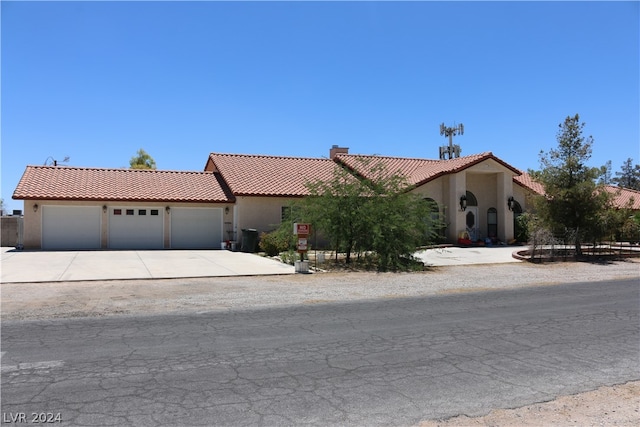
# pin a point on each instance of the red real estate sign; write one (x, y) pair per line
(300, 228)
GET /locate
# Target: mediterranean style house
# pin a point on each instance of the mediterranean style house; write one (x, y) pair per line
(477, 196)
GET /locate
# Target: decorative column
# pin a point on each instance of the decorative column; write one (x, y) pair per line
(455, 217)
(505, 216)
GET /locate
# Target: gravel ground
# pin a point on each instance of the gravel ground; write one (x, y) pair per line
(618, 405)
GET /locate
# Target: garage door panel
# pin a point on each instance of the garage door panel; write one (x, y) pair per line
(136, 228)
(71, 227)
(196, 228)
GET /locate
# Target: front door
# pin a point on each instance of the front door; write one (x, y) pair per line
(471, 222)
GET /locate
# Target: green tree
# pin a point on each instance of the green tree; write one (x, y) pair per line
(398, 221)
(142, 160)
(573, 203)
(629, 177)
(336, 207)
(605, 174)
(376, 214)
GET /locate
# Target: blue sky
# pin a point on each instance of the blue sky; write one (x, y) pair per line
(96, 81)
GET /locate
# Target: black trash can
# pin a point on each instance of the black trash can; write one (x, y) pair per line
(249, 240)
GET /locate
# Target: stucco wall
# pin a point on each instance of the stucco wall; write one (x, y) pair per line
(32, 225)
(524, 196)
(432, 189)
(260, 213)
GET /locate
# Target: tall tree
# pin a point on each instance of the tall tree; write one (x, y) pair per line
(142, 160)
(573, 203)
(605, 174)
(629, 177)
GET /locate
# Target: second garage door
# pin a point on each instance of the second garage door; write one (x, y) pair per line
(196, 228)
(136, 228)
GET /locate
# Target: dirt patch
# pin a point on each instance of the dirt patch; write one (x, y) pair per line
(618, 405)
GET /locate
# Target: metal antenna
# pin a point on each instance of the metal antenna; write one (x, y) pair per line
(452, 150)
(54, 162)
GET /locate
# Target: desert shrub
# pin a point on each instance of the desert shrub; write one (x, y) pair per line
(275, 242)
(630, 230)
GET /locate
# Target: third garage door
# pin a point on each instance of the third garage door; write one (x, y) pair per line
(196, 228)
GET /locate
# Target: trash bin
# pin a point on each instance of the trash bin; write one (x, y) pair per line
(249, 239)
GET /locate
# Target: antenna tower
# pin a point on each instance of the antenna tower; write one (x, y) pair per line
(452, 150)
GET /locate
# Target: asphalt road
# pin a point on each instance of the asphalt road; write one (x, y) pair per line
(382, 362)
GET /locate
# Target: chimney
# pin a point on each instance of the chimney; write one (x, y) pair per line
(337, 150)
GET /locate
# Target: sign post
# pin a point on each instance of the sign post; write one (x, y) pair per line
(302, 232)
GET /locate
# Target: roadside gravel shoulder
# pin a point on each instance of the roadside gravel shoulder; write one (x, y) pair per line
(22, 301)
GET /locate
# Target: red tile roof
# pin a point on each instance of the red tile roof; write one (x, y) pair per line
(256, 175)
(527, 181)
(72, 183)
(416, 171)
(624, 197)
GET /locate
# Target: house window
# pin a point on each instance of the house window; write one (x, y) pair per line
(154, 212)
(285, 212)
(435, 222)
(142, 211)
(129, 211)
(117, 211)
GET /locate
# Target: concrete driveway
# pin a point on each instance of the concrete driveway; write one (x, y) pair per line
(60, 266)
(465, 256)
(53, 266)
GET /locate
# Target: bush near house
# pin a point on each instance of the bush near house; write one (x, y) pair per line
(630, 231)
(275, 242)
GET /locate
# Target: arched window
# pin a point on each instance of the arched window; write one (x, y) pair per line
(435, 216)
(516, 208)
(471, 199)
(433, 205)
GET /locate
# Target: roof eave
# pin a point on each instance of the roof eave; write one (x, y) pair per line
(140, 200)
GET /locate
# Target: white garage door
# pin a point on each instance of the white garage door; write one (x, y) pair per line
(136, 228)
(71, 227)
(196, 228)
